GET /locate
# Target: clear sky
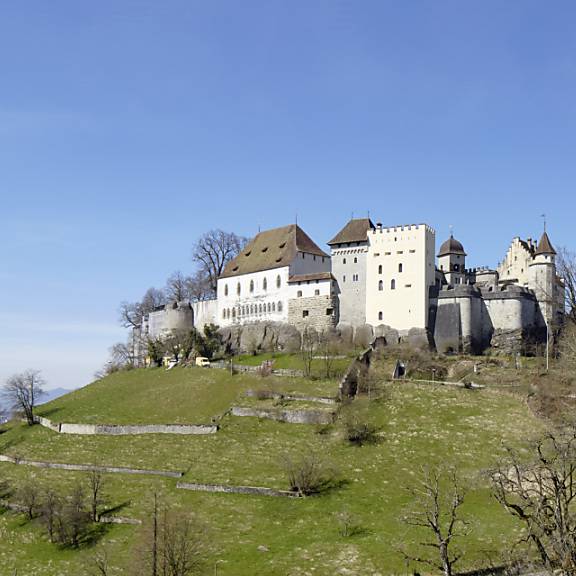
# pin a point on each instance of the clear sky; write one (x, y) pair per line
(128, 128)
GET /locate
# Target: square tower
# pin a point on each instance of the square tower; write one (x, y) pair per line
(400, 269)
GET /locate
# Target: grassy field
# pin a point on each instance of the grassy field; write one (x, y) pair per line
(419, 425)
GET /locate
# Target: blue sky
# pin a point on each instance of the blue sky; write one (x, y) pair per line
(127, 129)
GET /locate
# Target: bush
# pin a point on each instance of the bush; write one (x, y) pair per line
(358, 429)
(308, 474)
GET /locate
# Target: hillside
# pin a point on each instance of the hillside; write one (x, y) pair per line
(418, 423)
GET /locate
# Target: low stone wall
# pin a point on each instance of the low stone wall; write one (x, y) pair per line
(242, 368)
(296, 397)
(89, 467)
(126, 430)
(289, 416)
(251, 490)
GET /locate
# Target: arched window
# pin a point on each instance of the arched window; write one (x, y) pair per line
(380, 285)
(233, 312)
(251, 308)
(265, 284)
(400, 267)
(260, 309)
(392, 284)
(238, 289)
(299, 294)
(380, 316)
(251, 285)
(225, 289)
(279, 306)
(380, 269)
(278, 281)
(269, 307)
(273, 306)
(224, 314)
(243, 311)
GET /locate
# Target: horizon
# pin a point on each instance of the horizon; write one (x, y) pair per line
(127, 131)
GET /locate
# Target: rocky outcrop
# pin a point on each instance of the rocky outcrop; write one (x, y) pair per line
(261, 336)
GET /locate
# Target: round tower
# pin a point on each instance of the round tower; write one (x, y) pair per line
(542, 277)
(452, 261)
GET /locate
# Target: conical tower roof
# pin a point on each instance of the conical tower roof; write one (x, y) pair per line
(544, 246)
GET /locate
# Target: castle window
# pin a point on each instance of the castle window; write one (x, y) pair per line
(355, 260)
(233, 312)
(269, 307)
(316, 292)
(380, 285)
(400, 267)
(251, 285)
(273, 306)
(392, 284)
(314, 257)
(238, 289)
(303, 255)
(412, 251)
(279, 306)
(260, 309)
(278, 281)
(304, 313)
(225, 289)
(344, 261)
(329, 311)
(224, 314)
(408, 286)
(344, 278)
(299, 294)
(380, 269)
(265, 284)
(380, 316)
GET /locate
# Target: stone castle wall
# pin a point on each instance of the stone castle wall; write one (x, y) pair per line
(318, 312)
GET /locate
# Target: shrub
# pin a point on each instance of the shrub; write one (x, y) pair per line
(309, 474)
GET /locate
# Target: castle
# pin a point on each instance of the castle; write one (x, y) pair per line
(388, 281)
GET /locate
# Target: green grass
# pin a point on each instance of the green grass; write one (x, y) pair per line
(159, 396)
(420, 424)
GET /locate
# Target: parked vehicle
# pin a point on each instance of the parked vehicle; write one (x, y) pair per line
(203, 362)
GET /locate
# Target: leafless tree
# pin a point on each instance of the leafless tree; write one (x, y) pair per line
(436, 509)
(23, 391)
(99, 565)
(308, 474)
(95, 484)
(29, 498)
(178, 287)
(566, 268)
(214, 250)
(308, 349)
(173, 545)
(73, 519)
(50, 509)
(541, 495)
(132, 313)
(199, 286)
(328, 350)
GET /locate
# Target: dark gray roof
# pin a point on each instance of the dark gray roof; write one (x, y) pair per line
(545, 246)
(272, 249)
(451, 246)
(312, 276)
(355, 231)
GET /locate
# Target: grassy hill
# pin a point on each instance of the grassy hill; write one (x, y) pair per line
(419, 424)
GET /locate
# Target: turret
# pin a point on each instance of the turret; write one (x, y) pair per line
(542, 277)
(452, 261)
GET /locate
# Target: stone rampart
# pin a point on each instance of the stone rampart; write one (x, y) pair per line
(251, 490)
(89, 467)
(318, 312)
(295, 397)
(289, 416)
(126, 430)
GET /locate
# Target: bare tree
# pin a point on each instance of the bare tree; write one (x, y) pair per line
(23, 391)
(73, 520)
(96, 484)
(308, 349)
(178, 287)
(199, 286)
(541, 495)
(173, 545)
(436, 509)
(99, 565)
(566, 268)
(29, 498)
(308, 474)
(132, 313)
(214, 250)
(50, 509)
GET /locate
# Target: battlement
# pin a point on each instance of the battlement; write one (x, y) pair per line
(379, 229)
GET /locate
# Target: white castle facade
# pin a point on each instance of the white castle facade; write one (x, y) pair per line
(388, 280)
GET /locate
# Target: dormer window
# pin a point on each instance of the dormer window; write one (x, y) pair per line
(248, 253)
(265, 249)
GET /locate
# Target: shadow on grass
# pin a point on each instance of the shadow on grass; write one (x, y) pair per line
(115, 509)
(46, 413)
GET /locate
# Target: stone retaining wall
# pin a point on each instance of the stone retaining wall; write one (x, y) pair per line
(289, 416)
(251, 490)
(296, 397)
(126, 430)
(89, 467)
(243, 368)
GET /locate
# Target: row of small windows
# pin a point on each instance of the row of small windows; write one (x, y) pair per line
(355, 278)
(299, 293)
(252, 286)
(249, 310)
(392, 285)
(355, 260)
(400, 268)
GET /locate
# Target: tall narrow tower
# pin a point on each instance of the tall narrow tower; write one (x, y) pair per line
(452, 261)
(542, 278)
